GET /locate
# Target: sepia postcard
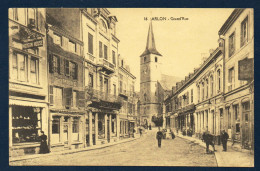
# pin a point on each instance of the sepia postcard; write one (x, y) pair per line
(131, 87)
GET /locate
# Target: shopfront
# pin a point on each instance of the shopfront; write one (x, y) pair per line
(66, 130)
(26, 120)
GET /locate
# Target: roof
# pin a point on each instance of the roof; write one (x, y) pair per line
(150, 44)
(231, 19)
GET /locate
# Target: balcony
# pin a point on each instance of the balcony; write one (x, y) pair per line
(106, 66)
(91, 57)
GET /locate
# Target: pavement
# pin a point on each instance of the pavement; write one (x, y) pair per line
(143, 151)
(230, 158)
(94, 147)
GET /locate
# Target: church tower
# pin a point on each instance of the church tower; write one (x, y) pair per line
(150, 72)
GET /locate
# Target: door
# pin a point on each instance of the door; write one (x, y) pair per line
(65, 132)
(108, 131)
(245, 128)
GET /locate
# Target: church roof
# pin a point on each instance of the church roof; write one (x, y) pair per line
(150, 44)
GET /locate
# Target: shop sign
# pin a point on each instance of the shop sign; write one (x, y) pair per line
(246, 69)
(33, 44)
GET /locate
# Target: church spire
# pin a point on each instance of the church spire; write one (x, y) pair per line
(150, 44)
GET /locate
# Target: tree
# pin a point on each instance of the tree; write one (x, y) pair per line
(158, 121)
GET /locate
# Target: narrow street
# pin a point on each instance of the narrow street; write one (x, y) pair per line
(141, 152)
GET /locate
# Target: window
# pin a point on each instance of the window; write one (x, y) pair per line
(105, 51)
(145, 97)
(114, 57)
(231, 79)
(155, 59)
(212, 86)
(244, 31)
(103, 26)
(91, 82)
(198, 93)
(34, 77)
(101, 83)
(31, 17)
(19, 15)
(67, 67)
(57, 39)
(246, 110)
(56, 63)
(72, 46)
(145, 59)
(14, 67)
(120, 86)
(51, 95)
(207, 89)
(236, 118)
(203, 91)
(219, 79)
(100, 50)
(191, 94)
(57, 97)
(56, 125)
(114, 89)
(75, 99)
(229, 117)
(90, 43)
(73, 70)
(231, 44)
(75, 125)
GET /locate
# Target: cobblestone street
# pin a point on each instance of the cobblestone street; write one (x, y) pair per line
(141, 152)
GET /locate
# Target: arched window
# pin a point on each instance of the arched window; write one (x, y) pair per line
(219, 79)
(103, 26)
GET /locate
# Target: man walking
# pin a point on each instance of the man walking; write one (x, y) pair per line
(224, 138)
(159, 137)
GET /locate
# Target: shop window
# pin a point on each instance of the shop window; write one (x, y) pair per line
(75, 125)
(105, 51)
(100, 50)
(90, 43)
(26, 122)
(244, 31)
(231, 44)
(57, 39)
(236, 117)
(56, 125)
(34, 70)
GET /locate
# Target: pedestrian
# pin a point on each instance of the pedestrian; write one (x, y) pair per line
(43, 147)
(140, 131)
(159, 137)
(208, 139)
(172, 134)
(224, 137)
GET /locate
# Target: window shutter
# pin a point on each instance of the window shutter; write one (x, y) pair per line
(68, 96)
(51, 63)
(81, 99)
(51, 95)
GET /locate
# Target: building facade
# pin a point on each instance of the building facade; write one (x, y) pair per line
(151, 92)
(127, 98)
(28, 87)
(222, 88)
(65, 78)
(238, 35)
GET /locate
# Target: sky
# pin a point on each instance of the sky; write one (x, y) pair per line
(181, 42)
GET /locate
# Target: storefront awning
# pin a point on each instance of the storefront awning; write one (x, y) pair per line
(26, 103)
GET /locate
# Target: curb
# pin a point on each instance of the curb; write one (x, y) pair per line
(71, 151)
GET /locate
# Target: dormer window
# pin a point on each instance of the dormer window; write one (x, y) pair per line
(155, 59)
(103, 26)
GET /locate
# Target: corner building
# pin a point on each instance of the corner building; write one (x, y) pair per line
(28, 97)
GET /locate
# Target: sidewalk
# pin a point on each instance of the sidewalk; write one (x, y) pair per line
(33, 156)
(230, 158)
